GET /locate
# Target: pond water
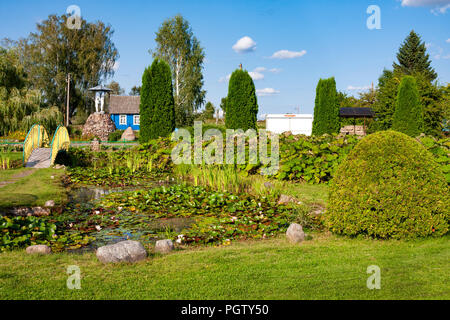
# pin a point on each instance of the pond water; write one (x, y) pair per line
(132, 226)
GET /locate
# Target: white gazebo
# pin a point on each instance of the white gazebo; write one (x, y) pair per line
(100, 92)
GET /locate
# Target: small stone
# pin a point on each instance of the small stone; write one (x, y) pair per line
(52, 177)
(295, 233)
(164, 246)
(39, 249)
(124, 251)
(285, 199)
(128, 135)
(49, 204)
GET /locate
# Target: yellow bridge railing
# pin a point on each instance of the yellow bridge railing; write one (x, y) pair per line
(61, 141)
(37, 137)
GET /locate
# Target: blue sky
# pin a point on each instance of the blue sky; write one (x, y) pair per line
(290, 44)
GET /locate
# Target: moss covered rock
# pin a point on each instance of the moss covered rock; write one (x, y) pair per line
(389, 186)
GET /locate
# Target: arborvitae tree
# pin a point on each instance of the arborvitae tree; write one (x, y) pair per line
(327, 108)
(157, 107)
(316, 122)
(413, 59)
(241, 103)
(408, 115)
(209, 111)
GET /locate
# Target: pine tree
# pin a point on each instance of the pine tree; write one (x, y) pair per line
(326, 111)
(413, 59)
(157, 108)
(242, 104)
(408, 115)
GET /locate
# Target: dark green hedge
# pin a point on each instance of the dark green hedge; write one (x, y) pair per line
(157, 107)
(389, 186)
(242, 104)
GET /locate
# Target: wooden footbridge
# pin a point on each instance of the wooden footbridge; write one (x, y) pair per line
(38, 152)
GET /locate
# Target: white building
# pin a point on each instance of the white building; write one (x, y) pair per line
(295, 123)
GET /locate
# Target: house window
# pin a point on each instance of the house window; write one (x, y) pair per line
(136, 120)
(123, 119)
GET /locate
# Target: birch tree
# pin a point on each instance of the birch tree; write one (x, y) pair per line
(177, 45)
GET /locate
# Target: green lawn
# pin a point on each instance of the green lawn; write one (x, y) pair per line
(326, 267)
(31, 190)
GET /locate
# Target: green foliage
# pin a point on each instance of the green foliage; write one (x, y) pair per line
(316, 122)
(241, 103)
(157, 108)
(208, 114)
(440, 149)
(88, 54)
(389, 186)
(408, 115)
(413, 59)
(18, 232)
(176, 44)
(326, 110)
(116, 135)
(312, 159)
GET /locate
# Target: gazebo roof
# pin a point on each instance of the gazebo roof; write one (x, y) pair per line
(100, 88)
(356, 113)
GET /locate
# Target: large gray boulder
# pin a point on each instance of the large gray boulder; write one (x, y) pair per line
(128, 135)
(164, 246)
(295, 233)
(39, 249)
(124, 251)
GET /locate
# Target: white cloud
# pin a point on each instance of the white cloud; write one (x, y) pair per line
(260, 69)
(361, 88)
(224, 79)
(423, 3)
(440, 6)
(256, 75)
(244, 45)
(275, 70)
(116, 65)
(286, 54)
(266, 92)
(448, 40)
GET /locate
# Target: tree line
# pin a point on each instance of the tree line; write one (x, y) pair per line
(407, 99)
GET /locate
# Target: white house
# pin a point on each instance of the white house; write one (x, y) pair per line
(295, 123)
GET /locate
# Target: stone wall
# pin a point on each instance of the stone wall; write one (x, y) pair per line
(99, 125)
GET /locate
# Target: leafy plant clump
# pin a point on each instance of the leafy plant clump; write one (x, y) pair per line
(389, 186)
(17, 232)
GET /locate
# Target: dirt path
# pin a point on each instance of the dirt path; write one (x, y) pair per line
(17, 177)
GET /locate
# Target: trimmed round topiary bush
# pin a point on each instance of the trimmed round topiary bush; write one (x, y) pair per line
(389, 186)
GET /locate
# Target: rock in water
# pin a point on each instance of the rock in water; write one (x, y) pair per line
(99, 125)
(164, 246)
(124, 251)
(295, 233)
(39, 249)
(128, 135)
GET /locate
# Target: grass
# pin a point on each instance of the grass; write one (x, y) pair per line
(326, 267)
(32, 190)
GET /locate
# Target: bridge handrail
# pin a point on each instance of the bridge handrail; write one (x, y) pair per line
(60, 141)
(36, 137)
